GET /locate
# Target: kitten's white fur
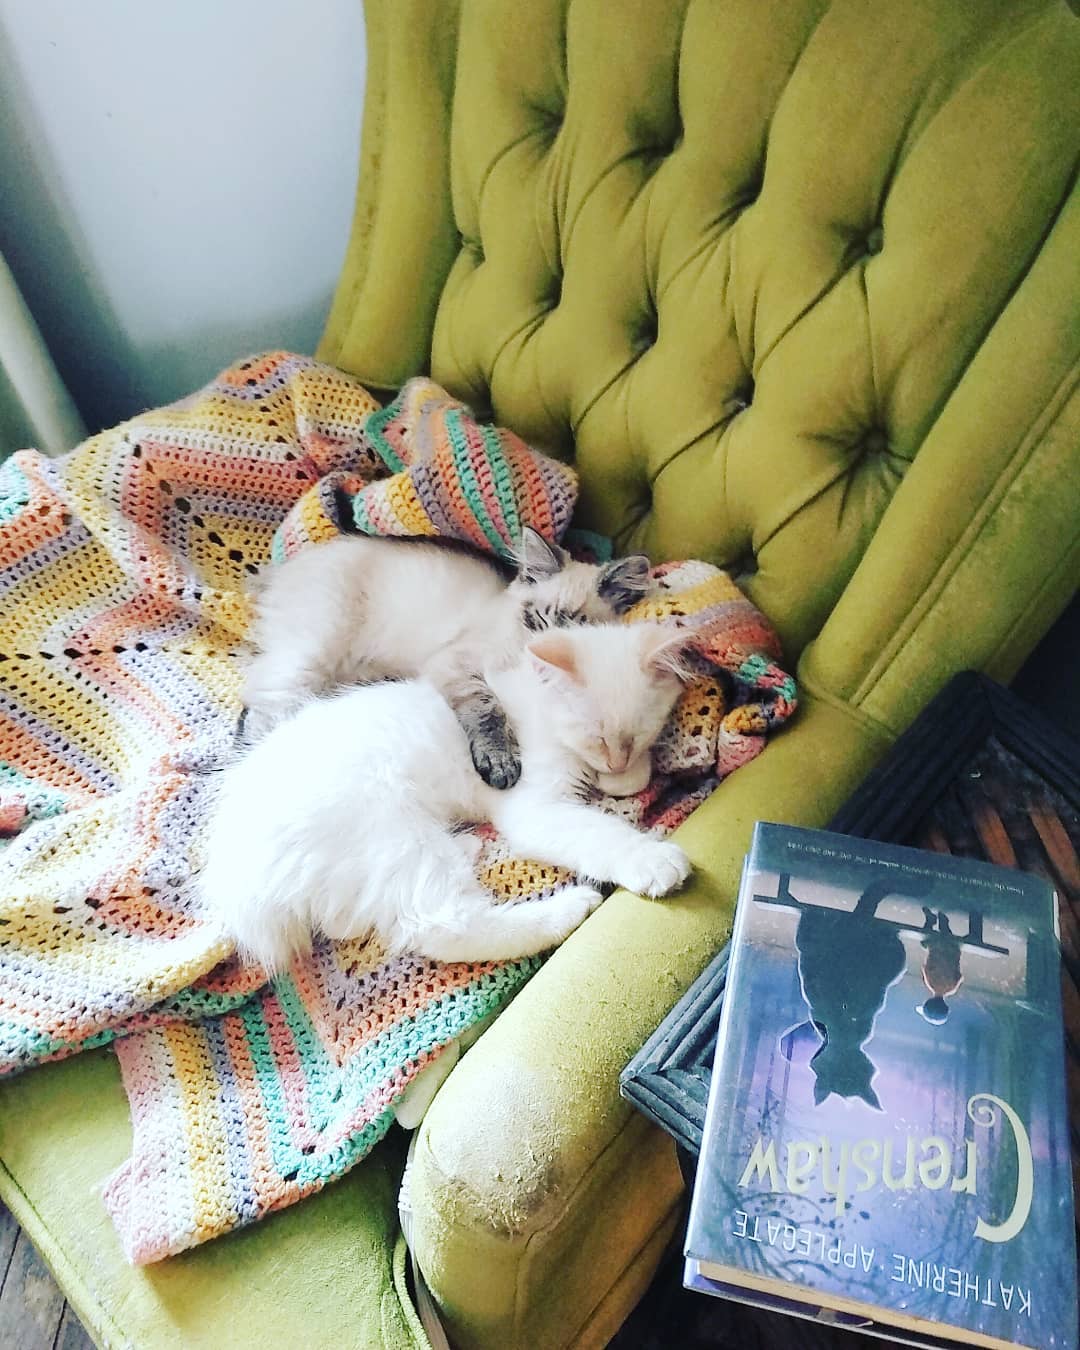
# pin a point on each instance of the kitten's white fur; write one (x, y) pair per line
(370, 609)
(341, 819)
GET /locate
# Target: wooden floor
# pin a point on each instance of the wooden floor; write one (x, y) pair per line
(33, 1312)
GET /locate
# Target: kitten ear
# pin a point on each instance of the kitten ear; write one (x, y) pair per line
(664, 652)
(622, 583)
(553, 656)
(537, 558)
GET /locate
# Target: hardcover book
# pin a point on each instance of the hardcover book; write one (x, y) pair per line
(886, 1142)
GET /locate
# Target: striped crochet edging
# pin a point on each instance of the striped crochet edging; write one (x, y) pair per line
(125, 569)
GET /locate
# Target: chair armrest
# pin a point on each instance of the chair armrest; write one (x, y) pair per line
(534, 1183)
(979, 550)
(403, 237)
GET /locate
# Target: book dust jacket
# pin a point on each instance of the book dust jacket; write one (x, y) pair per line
(886, 1143)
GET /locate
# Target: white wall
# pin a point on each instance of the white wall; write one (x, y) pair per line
(176, 182)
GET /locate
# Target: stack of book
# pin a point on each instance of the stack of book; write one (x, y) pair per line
(887, 1142)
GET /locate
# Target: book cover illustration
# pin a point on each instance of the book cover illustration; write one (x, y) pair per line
(886, 1124)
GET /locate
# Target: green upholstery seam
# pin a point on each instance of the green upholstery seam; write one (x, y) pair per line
(715, 232)
(844, 266)
(1017, 281)
(541, 394)
(533, 321)
(646, 234)
(875, 386)
(591, 403)
(1068, 565)
(635, 152)
(448, 332)
(1023, 273)
(498, 158)
(1007, 35)
(554, 263)
(632, 1120)
(950, 564)
(864, 720)
(713, 426)
(672, 1214)
(843, 471)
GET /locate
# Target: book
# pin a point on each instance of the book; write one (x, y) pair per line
(886, 1140)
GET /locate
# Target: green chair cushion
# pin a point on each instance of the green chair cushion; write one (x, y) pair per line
(328, 1272)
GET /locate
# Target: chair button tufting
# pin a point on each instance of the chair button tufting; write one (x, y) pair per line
(873, 242)
(647, 333)
(744, 567)
(875, 442)
(739, 401)
(549, 122)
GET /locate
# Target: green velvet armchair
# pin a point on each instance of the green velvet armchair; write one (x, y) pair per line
(796, 285)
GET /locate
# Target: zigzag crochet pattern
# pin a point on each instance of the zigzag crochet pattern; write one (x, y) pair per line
(124, 573)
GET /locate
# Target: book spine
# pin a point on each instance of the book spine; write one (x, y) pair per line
(732, 991)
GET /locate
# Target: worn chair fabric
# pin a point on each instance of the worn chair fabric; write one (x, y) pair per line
(794, 284)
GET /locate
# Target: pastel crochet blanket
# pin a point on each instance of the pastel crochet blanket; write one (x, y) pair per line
(124, 575)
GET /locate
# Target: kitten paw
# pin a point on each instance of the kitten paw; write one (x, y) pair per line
(254, 724)
(654, 869)
(575, 904)
(471, 845)
(498, 765)
(259, 718)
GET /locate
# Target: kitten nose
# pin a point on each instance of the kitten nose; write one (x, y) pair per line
(618, 755)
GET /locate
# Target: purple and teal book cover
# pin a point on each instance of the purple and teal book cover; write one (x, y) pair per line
(886, 1142)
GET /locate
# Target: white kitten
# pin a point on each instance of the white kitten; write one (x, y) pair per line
(341, 819)
(359, 609)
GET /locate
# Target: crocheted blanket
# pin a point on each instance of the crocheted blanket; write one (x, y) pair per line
(124, 569)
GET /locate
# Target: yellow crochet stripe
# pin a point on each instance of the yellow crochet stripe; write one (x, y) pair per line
(405, 504)
(515, 878)
(713, 591)
(204, 1131)
(316, 524)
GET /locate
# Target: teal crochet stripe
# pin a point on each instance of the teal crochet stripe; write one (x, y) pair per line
(375, 431)
(461, 448)
(510, 524)
(124, 596)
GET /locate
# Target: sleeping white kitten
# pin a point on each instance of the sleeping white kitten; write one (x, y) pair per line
(341, 820)
(359, 609)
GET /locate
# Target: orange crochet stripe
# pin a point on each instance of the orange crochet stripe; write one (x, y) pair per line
(125, 571)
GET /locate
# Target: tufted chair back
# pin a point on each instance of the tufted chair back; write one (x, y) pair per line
(739, 259)
(796, 285)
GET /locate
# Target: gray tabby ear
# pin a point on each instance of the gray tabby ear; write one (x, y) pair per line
(622, 583)
(537, 558)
